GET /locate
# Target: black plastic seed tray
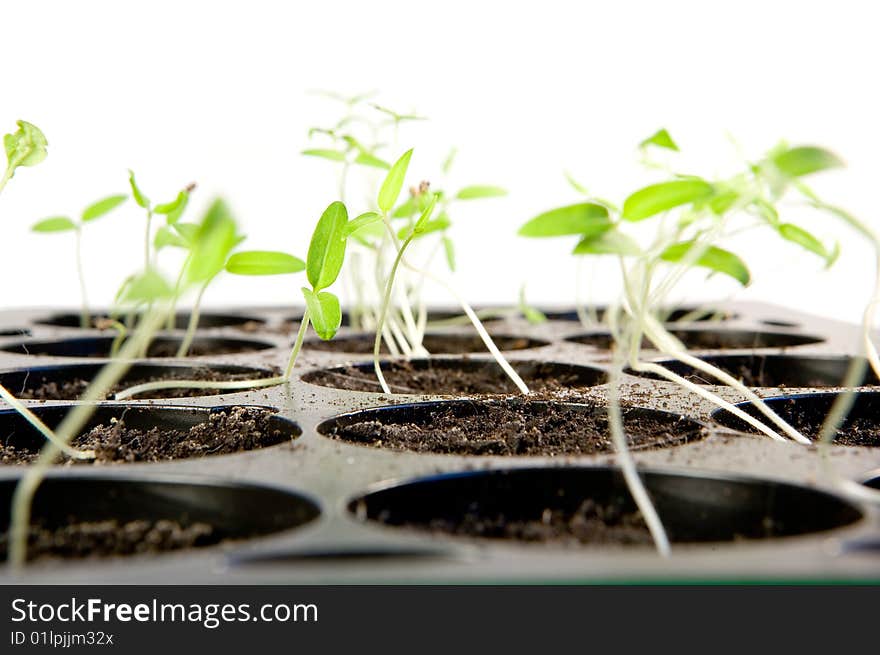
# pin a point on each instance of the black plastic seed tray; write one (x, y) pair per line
(316, 508)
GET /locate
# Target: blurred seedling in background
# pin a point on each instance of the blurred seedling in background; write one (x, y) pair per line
(690, 216)
(24, 147)
(66, 224)
(27, 147)
(361, 139)
(154, 296)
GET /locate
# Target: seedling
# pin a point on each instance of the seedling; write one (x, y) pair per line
(397, 312)
(27, 147)
(706, 210)
(24, 147)
(65, 224)
(323, 312)
(147, 289)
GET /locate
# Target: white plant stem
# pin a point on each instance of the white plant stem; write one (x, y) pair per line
(628, 466)
(665, 342)
(42, 428)
(70, 426)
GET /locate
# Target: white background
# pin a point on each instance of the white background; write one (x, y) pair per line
(218, 93)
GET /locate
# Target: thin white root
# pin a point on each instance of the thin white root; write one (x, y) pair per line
(43, 429)
(648, 367)
(198, 384)
(628, 467)
(670, 346)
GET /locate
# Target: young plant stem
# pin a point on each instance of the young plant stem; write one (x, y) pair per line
(254, 383)
(85, 316)
(70, 426)
(193, 322)
(42, 428)
(478, 326)
(658, 335)
(383, 312)
(297, 344)
(627, 464)
(147, 239)
(579, 307)
(7, 175)
(172, 314)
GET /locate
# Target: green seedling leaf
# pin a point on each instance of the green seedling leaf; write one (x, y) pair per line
(214, 240)
(585, 219)
(478, 191)
(367, 159)
(147, 287)
(577, 186)
(324, 312)
(102, 207)
(324, 153)
(166, 236)
(658, 198)
(422, 223)
(54, 224)
(368, 235)
(399, 118)
(800, 236)
(24, 147)
(264, 262)
(610, 242)
(767, 211)
(136, 193)
(804, 160)
(365, 219)
(722, 202)
(450, 159)
(436, 225)
(173, 210)
(406, 208)
(327, 248)
(713, 258)
(393, 183)
(661, 139)
(187, 231)
(449, 250)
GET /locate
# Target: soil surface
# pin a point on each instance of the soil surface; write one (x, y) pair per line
(199, 348)
(856, 431)
(106, 538)
(436, 344)
(73, 389)
(708, 340)
(512, 428)
(223, 432)
(404, 377)
(591, 523)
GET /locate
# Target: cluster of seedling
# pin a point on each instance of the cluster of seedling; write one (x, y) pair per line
(393, 243)
(691, 215)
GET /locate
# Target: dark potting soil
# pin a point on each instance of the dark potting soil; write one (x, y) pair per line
(437, 344)
(229, 431)
(111, 537)
(856, 431)
(404, 377)
(591, 523)
(751, 377)
(516, 428)
(198, 348)
(73, 389)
